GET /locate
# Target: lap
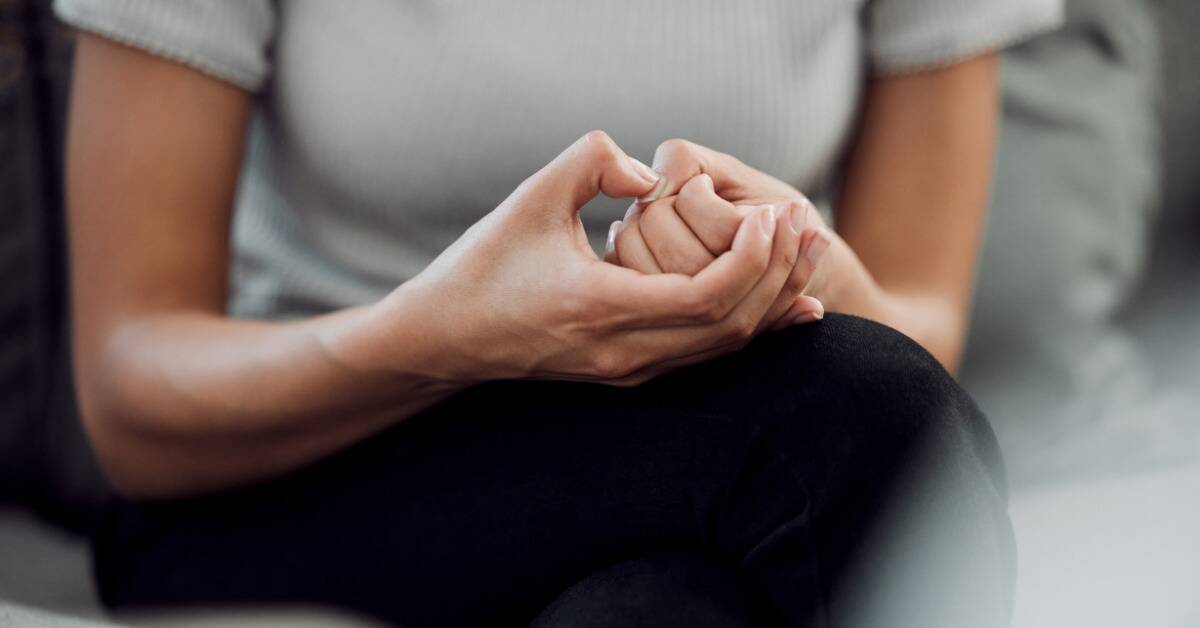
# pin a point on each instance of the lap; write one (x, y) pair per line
(490, 504)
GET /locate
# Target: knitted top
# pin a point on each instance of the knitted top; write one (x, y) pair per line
(382, 129)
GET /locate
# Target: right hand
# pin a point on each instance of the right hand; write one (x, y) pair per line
(711, 187)
(522, 295)
(683, 233)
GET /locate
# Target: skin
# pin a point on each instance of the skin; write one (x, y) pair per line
(920, 167)
(683, 233)
(180, 399)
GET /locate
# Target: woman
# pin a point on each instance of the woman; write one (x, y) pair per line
(303, 370)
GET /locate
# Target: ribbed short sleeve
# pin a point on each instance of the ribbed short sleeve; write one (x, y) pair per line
(913, 35)
(226, 39)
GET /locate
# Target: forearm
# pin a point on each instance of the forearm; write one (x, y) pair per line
(930, 318)
(914, 198)
(182, 403)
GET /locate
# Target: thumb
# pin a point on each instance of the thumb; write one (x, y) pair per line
(804, 309)
(593, 164)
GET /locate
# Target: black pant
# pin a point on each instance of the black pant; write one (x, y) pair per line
(832, 474)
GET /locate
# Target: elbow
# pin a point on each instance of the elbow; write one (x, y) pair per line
(150, 449)
(128, 480)
(149, 433)
(135, 467)
(120, 448)
(140, 459)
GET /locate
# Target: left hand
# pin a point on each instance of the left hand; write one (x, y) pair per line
(692, 213)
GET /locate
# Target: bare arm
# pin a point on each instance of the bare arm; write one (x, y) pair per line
(915, 198)
(171, 388)
(180, 399)
(908, 222)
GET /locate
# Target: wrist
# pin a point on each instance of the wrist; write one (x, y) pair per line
(391, 340)
(846, 285)
(440, 330)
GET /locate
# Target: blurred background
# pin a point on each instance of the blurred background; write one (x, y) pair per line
(1085, 347)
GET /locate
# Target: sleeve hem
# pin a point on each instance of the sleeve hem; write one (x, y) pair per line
(243, 79)
(998, 37)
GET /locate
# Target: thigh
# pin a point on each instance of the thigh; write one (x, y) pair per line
(773, 460)
(874, 492)
(477, 512)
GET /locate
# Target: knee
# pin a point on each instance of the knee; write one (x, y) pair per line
(845, 387)
(869, 434)
(904, 390)
(865, 388)
(845, 362)
(878, 372)
(858, 351)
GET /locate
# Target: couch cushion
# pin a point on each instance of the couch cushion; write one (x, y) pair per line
(44, 457)
(1076, 186)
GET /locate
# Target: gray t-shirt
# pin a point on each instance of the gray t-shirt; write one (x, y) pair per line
(383, 128)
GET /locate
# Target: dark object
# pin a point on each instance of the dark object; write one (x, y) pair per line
(44, 458)
(659, 591)
(788, 461)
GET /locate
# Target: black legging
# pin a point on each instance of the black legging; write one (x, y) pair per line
(828, 475)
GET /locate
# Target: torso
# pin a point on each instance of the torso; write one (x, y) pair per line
(390, 127)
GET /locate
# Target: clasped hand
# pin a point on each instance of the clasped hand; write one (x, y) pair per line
(712, 254)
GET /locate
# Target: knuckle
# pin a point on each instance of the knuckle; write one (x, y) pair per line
(656, 215)
(652, 212)
(611, 364)
(796, 283)
(693, 193)
(676, 148)
(789, 255)
(599, 146)
(692, 264)
(706, 309)
(596, 136)
(628, 237)
(727, 226)
(783, 258)
(744, 326)
(799, 278)
(741, 327)
(665, 204)
(761, 260)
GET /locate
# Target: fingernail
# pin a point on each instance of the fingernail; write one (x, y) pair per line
(644, 171)
(817, 248)
(614, 230)
(807, 317)
(799, 217)
(630, 213)
(767, 220)
(659, 191)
